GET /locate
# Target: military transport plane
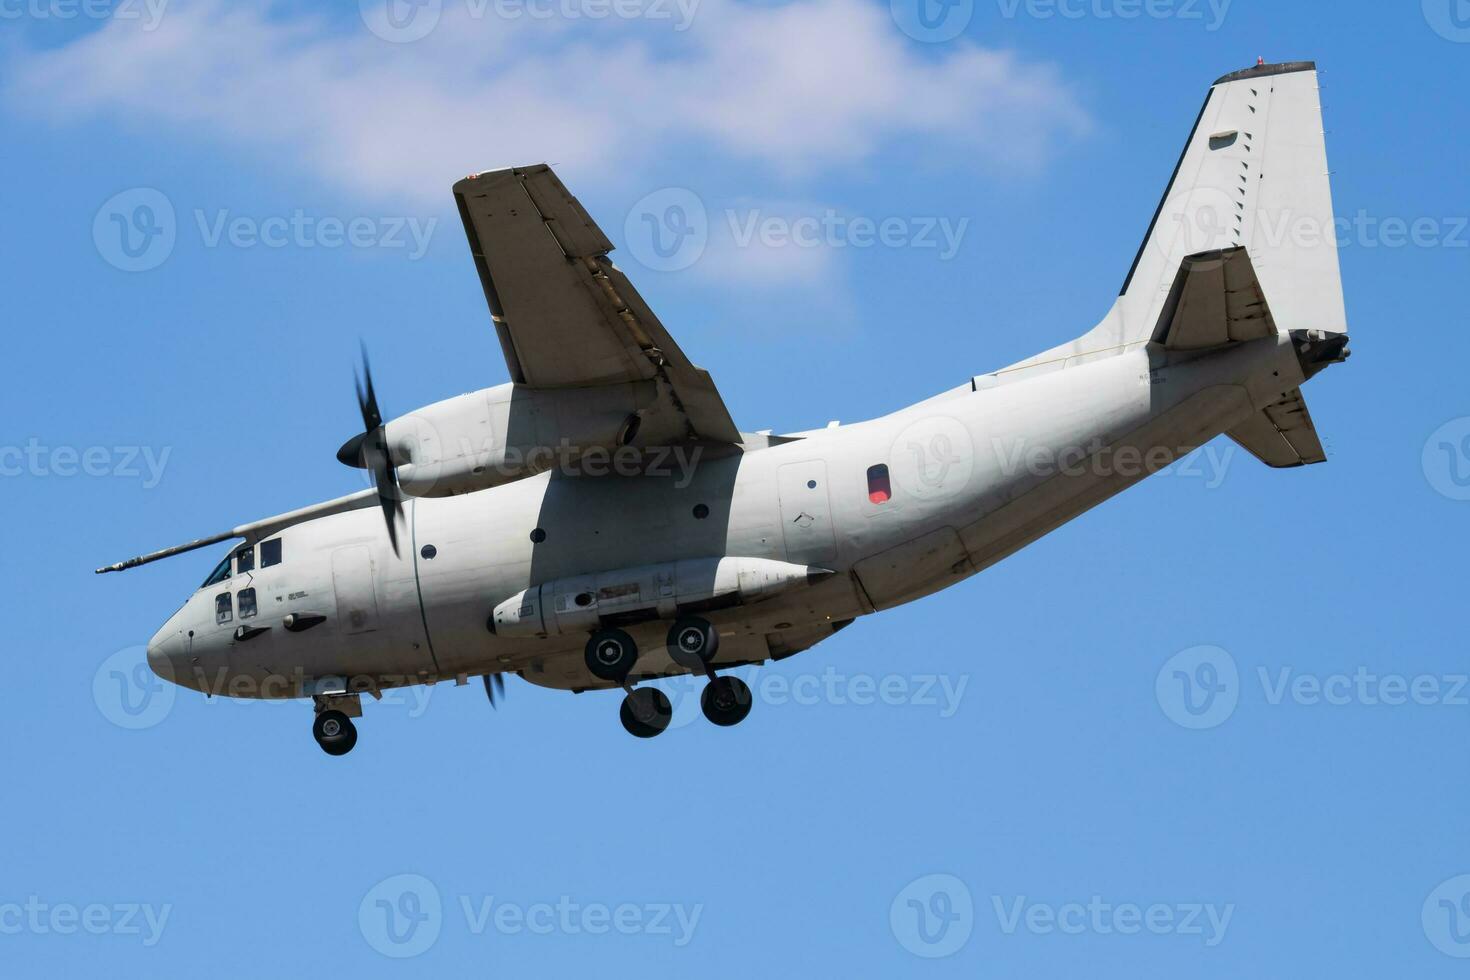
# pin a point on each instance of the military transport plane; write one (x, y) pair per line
(541, 528)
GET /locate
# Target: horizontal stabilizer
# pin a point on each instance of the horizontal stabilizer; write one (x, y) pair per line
(1282, 435)
(1216, 299)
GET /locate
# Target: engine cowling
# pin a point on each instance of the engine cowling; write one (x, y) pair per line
(497, 435)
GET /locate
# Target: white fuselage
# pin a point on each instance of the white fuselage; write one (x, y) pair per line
(972, 475)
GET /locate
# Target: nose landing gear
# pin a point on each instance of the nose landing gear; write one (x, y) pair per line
(334, 732)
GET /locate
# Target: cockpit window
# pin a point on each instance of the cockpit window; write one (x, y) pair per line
(220, 574)
(245, 560)
(223, 612)
(270, 552)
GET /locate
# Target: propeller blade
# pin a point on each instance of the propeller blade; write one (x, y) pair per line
(374, 450)
(494, 685)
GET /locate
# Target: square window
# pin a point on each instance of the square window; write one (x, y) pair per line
(880, 491)
(222, 610)
(245, 560)
(270, 553)
(247, 603)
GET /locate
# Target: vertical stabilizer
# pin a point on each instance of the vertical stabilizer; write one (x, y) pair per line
(1253, 175)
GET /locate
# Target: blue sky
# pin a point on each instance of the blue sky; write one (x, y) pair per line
(1005, 756)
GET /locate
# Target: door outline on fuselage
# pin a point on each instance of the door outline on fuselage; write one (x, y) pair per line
(352, 583)
(806, 512)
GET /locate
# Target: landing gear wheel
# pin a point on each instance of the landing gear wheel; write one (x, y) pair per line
(611, 654)
(646, 712)
(693, 643)
(334, 732)
(725, 701)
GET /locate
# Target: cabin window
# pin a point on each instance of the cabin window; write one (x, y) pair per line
(247, 603)
(879, 488)
(245, 560)
(222, 611)
(270, 553)
(220, 574)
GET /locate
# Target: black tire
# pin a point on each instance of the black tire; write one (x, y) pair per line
(725, 701)
(611, 654)
(693, 642)
(646, 712)
(334, 732)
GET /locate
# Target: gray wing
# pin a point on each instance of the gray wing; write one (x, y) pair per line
(565, 315)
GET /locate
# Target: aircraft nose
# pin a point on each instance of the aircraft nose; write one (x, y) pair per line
(163, 650)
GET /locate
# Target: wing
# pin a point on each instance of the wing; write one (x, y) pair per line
(565, 315)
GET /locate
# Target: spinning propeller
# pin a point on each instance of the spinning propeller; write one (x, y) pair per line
(370, 450)
(494, 685)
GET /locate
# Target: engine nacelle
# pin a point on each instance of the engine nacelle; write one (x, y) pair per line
(501, 434)
(581, 603)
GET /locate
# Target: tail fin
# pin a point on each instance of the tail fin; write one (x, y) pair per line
(1252, 177)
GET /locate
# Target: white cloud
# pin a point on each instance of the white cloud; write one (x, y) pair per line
(801, 88)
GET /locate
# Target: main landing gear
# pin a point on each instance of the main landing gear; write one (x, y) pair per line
(646, 711)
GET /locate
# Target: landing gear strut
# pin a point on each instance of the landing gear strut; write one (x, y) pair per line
(334, 732)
